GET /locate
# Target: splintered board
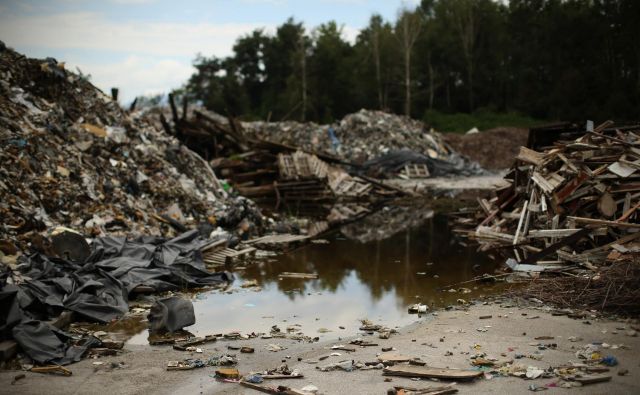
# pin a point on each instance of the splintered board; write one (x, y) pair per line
(424, 371)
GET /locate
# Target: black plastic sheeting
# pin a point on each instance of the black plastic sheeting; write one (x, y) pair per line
(96, 289)
(171, 314)
(393, 162)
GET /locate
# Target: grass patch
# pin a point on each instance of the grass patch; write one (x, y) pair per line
(481, 119)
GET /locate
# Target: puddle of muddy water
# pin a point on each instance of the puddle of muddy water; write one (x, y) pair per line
(375, 279)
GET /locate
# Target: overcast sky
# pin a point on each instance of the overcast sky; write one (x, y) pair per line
(147, 46)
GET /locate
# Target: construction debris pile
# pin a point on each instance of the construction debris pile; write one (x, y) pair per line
(285, 166)
(368, 135)
(302, 181)
(571, 209)
(277, 176)
(70, 156)
(74, 166)
(359, 137)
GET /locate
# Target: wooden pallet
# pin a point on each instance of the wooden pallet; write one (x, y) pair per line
(227, 256)
(416, 171)
(282, 241)
(318, 227)
(300, 165)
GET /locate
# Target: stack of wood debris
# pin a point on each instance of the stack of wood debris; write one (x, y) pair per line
(297, 179)
(570, 206)
(275, 175)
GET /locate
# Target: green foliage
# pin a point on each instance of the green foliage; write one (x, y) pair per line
(547, 59)
(482, 119)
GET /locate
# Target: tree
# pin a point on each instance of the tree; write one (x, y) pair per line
(250, 67)
(374, 64)
(408, 29)
(551, 59)
(331, 73)
(461, 16)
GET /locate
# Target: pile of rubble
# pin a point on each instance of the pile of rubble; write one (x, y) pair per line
(71, 156)
(278, 176)
(363, 136)
(570, 209)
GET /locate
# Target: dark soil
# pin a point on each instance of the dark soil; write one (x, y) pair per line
(494, 149)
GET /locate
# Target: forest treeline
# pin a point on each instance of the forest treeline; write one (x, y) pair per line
(547, 59)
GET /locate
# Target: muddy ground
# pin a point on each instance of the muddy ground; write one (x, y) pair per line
(494, 149)
(510, 331)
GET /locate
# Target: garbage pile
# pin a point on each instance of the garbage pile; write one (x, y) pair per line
(304, 179)
(275, 175)
(359, 137)
(571, 209)
(70, 156)
(75, 166)
(365, 136)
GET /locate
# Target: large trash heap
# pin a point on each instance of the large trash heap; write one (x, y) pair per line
(358, 137)
(372, 139)
(570, 215)
(72, 158)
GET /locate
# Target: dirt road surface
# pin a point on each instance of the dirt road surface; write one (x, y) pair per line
(447, 339)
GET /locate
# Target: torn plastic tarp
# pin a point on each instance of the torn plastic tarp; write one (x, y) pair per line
(393, 162)
(171, 314)
(10, 312)
(98, 288)
(47, 344)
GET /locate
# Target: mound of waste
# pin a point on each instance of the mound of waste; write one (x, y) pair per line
(366, 136)
(570, 213)
(74, 165)
(72, 157)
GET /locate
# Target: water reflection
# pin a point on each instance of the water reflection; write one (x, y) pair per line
(404, 264)
(376, 279)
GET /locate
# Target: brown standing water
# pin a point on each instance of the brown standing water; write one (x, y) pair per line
(376, 279)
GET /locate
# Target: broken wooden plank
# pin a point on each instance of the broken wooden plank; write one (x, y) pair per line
(628, 213)
(442, 390)
(571, 239)
(530, 156)
(281, 376)
(484, 231)
(306, 276)
(55, 369)
(542, 233)
(277, 239)
(520, 222)
(393, 357)
(542, 182)
(429, 372)
(182, 346)
(272, 390)
(516, 267)
(594, 221)
(592, 379)
(570, 188)
(621, 169)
